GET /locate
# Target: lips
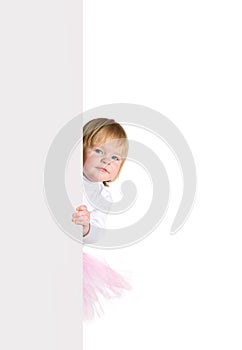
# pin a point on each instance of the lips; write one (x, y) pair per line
(104, 170)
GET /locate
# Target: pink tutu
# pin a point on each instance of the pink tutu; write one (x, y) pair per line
(99, 279)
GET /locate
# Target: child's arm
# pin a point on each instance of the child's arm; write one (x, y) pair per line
(82, 217)
(92, 219)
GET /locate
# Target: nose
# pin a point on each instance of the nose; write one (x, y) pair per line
(106, 160)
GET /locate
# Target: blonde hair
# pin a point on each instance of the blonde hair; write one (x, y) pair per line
(99, 130)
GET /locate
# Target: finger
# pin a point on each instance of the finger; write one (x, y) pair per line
(79, 214)
(78, 221)
(82, 213)
(82, 221)
(81, 207)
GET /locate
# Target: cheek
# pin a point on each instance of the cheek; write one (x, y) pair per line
(88, 155)
(87, 163)
(116, 167)
(89, 159)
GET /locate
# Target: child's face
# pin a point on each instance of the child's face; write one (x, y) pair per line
(102, 162)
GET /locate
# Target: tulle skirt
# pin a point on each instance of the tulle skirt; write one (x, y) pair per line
(99, 279)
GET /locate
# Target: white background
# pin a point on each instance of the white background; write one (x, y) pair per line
(180, 58)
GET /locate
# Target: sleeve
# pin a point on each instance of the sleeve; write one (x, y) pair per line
(98, 218)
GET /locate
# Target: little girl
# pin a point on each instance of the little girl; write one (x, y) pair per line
(105, 148)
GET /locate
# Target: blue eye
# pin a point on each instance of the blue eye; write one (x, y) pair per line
(98, 151)
(115, 158)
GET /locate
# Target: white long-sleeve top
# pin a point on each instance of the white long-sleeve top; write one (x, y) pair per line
(98, 200)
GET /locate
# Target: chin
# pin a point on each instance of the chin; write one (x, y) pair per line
(99, 179)
(103, 179)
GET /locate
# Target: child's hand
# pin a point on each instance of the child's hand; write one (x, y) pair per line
(82, 217)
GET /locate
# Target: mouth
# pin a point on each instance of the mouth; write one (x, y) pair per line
(103, 170)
